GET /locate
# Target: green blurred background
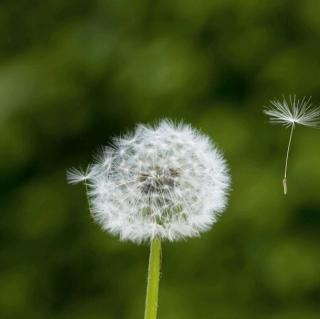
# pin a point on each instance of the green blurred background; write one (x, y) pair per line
(75, 73)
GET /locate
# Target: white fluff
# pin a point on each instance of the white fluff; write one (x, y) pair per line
(294, 111)
(167, 181)
(289, 114)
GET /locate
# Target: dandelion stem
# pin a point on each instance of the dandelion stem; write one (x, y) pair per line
(284, 181)
(151, 306)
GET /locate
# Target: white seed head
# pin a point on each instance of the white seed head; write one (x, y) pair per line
(294, 111)
(167, 181)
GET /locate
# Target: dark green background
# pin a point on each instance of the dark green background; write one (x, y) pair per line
(75, 73)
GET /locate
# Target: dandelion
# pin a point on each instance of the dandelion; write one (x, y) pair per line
(296, 111)
(166, 182)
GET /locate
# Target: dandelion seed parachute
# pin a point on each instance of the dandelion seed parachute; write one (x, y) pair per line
(296, 111)
(167, 182)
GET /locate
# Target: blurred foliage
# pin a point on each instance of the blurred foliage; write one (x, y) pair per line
(75, 73)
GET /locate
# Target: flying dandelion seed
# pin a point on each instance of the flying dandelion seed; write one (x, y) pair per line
(159, 183)
(289, 113)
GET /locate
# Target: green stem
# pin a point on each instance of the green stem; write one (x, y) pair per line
(151, 306)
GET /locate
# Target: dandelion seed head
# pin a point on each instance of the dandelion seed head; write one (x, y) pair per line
(293, 111)
(168, 181)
